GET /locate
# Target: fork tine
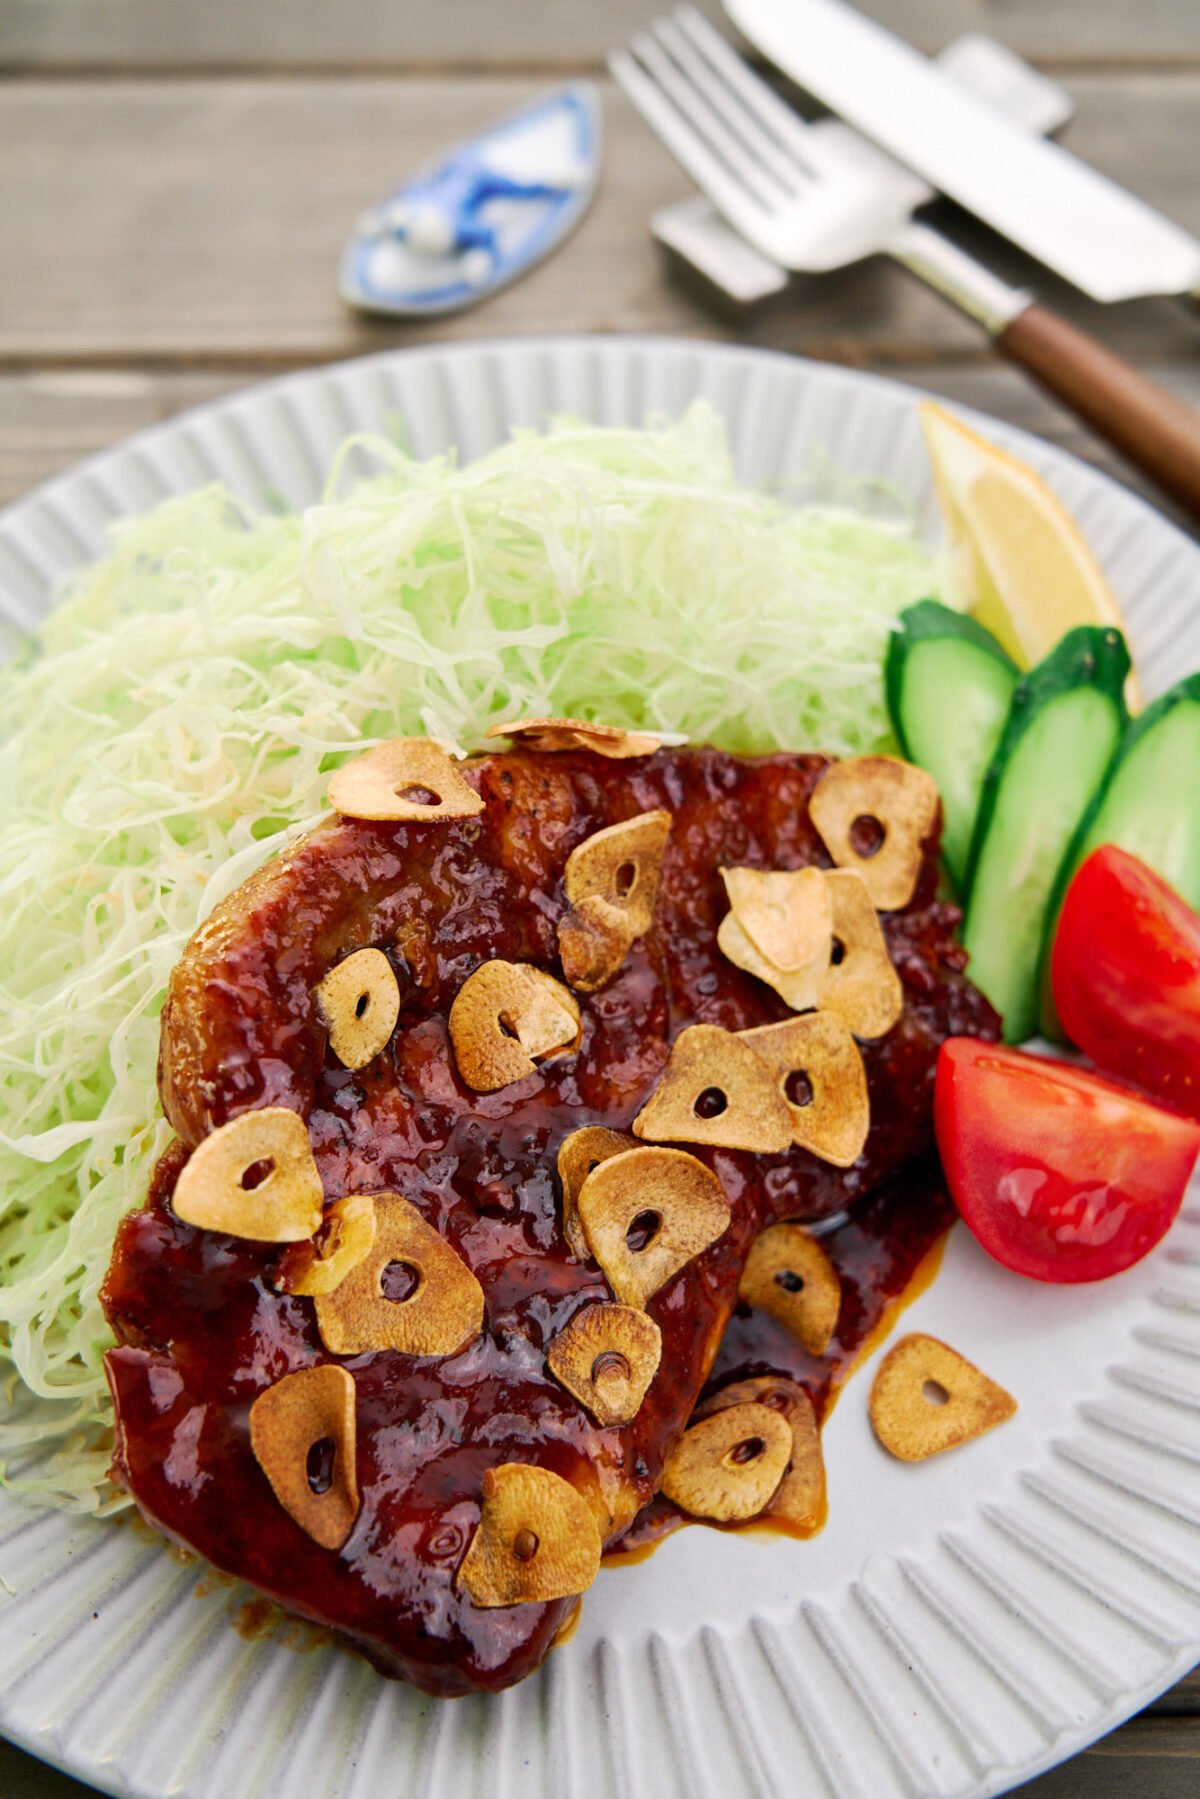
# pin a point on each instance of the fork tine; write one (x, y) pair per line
(774, 114)
(725, 95)
(704, 118)
(743, 210)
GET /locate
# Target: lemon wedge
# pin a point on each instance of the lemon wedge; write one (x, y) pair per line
(1014, 557)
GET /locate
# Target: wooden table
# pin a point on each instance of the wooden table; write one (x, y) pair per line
(176, 177)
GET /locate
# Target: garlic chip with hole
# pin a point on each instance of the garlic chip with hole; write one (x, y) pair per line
(622, 864)
(895, 798)
(578, 1154)
(728, 1466)
(714, 1089)
(862, 986)
(646, 1214)
(834, 1121)
(346, 1238)
(506, 1017)
(593, 940)
(537, 1539)
(786, 913)
(553, 734)
(926, 1398)
(612, 880)
(302, 1432)
(799, 1502)
(606, 1358)
(800, 990)
(789, 1275)
(410, 779)
(359, 1003)
(253, 1177)
(552, 1025)
(442, 1307)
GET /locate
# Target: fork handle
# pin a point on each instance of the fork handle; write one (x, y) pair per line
(1154, 429)
(1158, 433)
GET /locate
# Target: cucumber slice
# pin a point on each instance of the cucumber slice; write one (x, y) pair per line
(1063, 729)
(1150, 805)
(949, 687)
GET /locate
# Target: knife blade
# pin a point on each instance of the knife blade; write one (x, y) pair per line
(693, 230)
(1088, 229)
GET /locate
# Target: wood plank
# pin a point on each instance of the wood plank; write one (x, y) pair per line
(1148, 1758)
(1153, 1739)
(1183, 1701)
(201, 221)
(311, 34)
(21, 1777)
(49, 419)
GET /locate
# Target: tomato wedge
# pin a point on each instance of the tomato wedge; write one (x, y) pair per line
(1060, 1175)
(1125, 968)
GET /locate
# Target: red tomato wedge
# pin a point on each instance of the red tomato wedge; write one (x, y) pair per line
(1060, 1175)
(1125, 968)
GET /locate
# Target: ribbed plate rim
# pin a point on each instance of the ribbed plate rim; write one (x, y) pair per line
(1136, 515)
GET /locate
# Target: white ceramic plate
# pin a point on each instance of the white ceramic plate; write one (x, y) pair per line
(958, 1625)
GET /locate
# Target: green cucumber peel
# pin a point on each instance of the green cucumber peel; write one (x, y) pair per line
(919, 623)
(1064, 727)
(1146, 816)
(949, 686)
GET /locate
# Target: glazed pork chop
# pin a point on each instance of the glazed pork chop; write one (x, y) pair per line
(409, 1360)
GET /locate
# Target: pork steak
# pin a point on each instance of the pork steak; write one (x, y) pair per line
(202, 1327)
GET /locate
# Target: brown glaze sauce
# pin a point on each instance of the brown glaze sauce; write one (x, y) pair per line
(886, 1252)
(201, 1329)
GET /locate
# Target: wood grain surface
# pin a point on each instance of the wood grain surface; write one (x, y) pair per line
(539, 34)
(200, 221)
(176, 178)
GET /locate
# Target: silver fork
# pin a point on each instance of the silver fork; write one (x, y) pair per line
(815, 198)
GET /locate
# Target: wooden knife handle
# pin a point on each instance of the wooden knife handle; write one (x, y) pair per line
(1157, 432)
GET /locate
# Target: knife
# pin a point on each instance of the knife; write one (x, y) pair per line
(861, 71)
(1033, 192)
(695, 232)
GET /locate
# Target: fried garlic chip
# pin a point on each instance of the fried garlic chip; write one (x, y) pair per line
(926, 1398)
(606, 1358)
(410, 779)
(507, 1017)
(359, 1003)
(578, 734)
(799, 1501)
(612, 880)
(302, 1432)
(715, 1090)
(896, 803)
(253, 1177)
(578, 1154)
(851, 973)
(861, 985)
(646, 1214)
(786, 913)
(801, 990)
(593, 940)
(833, 1117)
(789, 1275)
(537, 1539)
(437, 1306)
(623, 865)
(346, 1237)
(728, 1466)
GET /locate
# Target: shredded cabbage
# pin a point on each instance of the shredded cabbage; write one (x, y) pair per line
(177, 720)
